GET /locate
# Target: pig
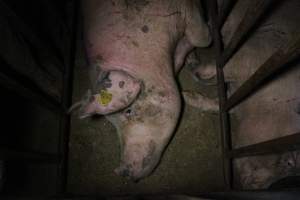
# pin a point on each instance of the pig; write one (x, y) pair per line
(273, 110)
(135, 49)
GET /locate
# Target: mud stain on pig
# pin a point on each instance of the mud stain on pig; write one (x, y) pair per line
(152, 111)
(136, 44)
(128, 96)
(103, 82)
(126, 17)
(107, 84)
(99, 58)
(121, 84)
(151, 89)
(162, 94)
(145, 29)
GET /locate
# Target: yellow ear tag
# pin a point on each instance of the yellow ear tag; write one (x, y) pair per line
(104, 98)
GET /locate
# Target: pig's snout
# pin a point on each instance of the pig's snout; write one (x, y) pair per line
(137, 169)
(128, 172)
(122, 171)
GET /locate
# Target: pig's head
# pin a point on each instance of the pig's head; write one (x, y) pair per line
(112, 91)
(145, 128)
(144, 124)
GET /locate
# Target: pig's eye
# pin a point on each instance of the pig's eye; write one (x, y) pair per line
(128, 112)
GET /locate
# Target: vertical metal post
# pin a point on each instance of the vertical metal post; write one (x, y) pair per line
(224, 118)
(225, 9)
(66, 100)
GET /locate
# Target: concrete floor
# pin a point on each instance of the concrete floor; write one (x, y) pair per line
(191, 163)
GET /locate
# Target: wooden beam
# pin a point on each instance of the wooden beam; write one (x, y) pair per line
(275, 63)
(253, 13)
(278, 145)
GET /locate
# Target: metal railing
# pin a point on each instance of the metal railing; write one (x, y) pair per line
(273, 65)
(23, 86)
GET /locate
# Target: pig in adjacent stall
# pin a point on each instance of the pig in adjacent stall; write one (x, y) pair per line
(135, 49)
(273, 110)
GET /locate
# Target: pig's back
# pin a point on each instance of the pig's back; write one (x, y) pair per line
(136, 34)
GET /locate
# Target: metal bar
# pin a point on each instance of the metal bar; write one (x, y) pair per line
(28, 156)
(253, 13)
(31, 36)
(276, 62)
(66, 101)
(278, 145)
(232, 195)
(21, 85)
(224, 120)
(225, 9)
(255, 195)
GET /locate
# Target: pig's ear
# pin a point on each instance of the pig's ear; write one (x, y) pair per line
(113, 91)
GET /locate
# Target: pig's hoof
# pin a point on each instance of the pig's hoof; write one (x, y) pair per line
(197, 100)
(205, 75)
(208, 82)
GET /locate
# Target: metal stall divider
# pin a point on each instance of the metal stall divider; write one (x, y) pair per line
(276, 62)
(23, 86)
(67, 97)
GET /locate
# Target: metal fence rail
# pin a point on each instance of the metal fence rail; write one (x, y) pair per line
(18, 25)
(67, 98)
(224, 117)
(7, 153)
(23, 86)
(274, 64)
(278, 145)
(20, 84)
(224, 10)
(255, 11)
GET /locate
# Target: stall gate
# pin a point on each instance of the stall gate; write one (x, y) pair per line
(62, 55)
(12, 80)
(217, 14)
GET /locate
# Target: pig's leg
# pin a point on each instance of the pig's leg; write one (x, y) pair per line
(196, 34)
(197, 100)
(182, 49)
(197, 31)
